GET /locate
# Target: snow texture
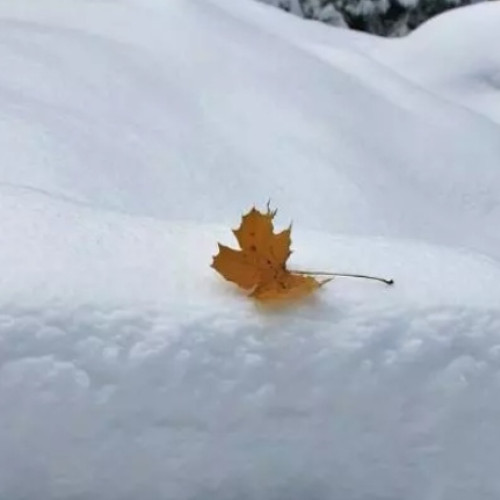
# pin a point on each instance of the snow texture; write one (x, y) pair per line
(133, 136)
(464, 69)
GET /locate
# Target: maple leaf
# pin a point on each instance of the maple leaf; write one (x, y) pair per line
(260, 265)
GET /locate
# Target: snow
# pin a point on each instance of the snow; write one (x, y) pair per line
(134, 134)
(463, 69)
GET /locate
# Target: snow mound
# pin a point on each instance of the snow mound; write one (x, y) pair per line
(192, 110)
(129, 369)
(466, 68)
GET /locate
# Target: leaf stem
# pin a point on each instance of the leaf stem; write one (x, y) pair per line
(347, 275)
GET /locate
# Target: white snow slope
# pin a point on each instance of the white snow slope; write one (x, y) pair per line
(133, 136)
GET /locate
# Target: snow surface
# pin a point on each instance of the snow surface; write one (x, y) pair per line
(133, 135)
(464, 69)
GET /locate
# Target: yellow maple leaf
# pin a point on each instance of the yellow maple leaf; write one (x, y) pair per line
(260, 265)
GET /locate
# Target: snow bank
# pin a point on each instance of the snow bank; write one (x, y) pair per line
(191, 111)
(133, 136)
(128, 368)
